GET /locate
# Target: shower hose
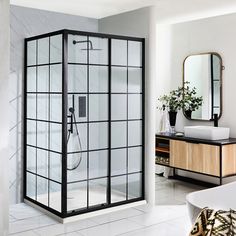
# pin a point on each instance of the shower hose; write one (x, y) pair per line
(70, 131)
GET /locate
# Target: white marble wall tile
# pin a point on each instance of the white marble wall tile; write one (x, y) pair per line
(27, 22)
(4, 117)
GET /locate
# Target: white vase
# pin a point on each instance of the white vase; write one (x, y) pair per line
(165, 123)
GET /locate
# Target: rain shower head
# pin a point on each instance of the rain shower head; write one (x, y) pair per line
(90, 48)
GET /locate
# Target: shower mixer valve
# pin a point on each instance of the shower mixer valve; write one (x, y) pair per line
(71, 110)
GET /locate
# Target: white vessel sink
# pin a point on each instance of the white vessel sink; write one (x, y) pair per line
(206, 132)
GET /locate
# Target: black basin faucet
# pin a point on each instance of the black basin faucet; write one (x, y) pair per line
(215, 120)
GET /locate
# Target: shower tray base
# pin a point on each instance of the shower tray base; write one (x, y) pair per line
(85, 215)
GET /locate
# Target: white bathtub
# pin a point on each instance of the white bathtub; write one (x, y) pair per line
(217, 198)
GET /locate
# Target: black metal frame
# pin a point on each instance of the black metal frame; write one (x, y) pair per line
(64, 213)
(213, 80)
(220, 81)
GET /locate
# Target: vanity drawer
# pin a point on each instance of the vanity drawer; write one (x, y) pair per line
(196, 157)
(178, 154)
(204, 158)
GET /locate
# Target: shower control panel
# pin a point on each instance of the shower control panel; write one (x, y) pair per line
(82, 106)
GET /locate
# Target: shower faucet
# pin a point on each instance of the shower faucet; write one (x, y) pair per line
(72, 113)
(71, 110)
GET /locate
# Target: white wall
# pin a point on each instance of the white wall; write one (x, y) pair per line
(215, 34)
(177, 41)
(4, 118)
(26, 22)
(141, 23)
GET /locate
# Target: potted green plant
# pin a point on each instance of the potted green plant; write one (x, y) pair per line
(191, 102)
(173, 103)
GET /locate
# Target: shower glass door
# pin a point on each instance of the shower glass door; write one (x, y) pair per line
(88, 127)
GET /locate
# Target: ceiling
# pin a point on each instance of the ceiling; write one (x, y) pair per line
(103, 8)
(89, 8)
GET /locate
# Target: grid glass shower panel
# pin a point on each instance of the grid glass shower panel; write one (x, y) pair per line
(126, 120)
(84, 121)
(87, 185)
(44, 121)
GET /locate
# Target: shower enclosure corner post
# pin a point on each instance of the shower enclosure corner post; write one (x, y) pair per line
(109, 118)
(64, 122)
(25, 124)
(143, 112)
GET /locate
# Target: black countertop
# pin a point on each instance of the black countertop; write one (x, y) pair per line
(196, 140)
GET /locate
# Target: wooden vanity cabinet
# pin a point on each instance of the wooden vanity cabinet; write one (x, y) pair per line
(215, 158)
(196, 157)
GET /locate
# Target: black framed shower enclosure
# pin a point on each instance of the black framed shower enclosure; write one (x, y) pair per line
(83, 121)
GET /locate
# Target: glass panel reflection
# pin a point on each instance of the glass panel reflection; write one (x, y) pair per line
(43, 51)
(77, 167)
(98, 135)
(135, 133)
(98, 164)
(31, 79)
(42, 162)
(118, 134)
(55, 166)
(56, 78)
(43, 79)
(56, 49)
(134, 186)
(76, 196)
(31, 185)
(118, 161)
(98, 79)
(98, 107)
(31, 132)
(31, 53)
(135, 106)
(97, 192)
(77, 78)
(118, 107)
(42, 106)
(135, 159)
(119, 52)
(135, 80)
(42, 190)
(31, 159)
(118, 189)
(55, 137)
(134, 53)
(119, 80)
(31, 106)
(42, 134)
(55, 196)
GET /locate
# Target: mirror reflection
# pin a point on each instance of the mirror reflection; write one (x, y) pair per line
(203, 73)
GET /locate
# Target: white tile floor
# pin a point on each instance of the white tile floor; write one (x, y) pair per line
(173, 192)
(168, 218)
